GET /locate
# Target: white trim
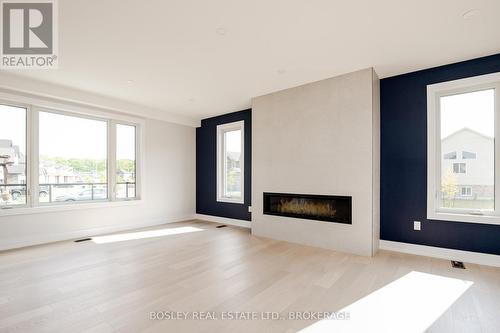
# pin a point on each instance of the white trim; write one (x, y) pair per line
(221, 179)
(32, 159)
(463, 217)
(139, 159)
(442, 253)
(62, 206)
(111, 162)
(434, 92)
(223, 220)
(65, 236)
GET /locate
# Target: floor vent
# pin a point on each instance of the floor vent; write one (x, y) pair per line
(457, 264)
(221, 226)
(83, 240)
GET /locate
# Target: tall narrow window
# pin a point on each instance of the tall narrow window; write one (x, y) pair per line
(72, 158)
(125, 161)
(230, 162)
(468, 123)
(463, 118)
(13, 180)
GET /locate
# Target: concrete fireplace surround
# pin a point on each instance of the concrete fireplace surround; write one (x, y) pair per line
(320, 138)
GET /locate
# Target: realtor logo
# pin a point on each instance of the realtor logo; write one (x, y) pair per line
(29, 34)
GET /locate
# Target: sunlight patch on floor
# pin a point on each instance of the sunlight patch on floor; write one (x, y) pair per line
(143, 234)
(409, 304)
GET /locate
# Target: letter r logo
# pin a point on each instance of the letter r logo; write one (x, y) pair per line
(27, 28)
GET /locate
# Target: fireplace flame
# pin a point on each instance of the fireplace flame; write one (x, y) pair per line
(306, 207)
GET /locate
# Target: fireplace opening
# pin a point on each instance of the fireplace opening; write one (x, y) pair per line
(328, 208)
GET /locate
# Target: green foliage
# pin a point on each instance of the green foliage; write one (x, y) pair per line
(127, 166)
(449, 188)
(86, 167)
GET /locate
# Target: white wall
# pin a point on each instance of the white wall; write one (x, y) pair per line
(50, 91)
(319, 138)
(169, 192)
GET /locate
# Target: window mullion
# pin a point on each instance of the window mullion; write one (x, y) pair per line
(33, 159)
(138, 161)
(437, 181)
(219, 167)
(224, 165)
(111, 163)
(497, 151)
(242, 162)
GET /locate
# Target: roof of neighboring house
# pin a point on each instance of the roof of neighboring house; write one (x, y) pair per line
(15, 169)
(16, 158)
(466, 129)
(5, 143)
(6, 148)
(54, 169)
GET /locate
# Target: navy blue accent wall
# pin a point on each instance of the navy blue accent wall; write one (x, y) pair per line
(206, 167)
(404, 162)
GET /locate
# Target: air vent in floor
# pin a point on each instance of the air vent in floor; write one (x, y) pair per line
(82, 240)
(457, 264)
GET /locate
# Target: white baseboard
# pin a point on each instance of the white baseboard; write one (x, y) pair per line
(442, 253)
(224, 220)
(44, 239)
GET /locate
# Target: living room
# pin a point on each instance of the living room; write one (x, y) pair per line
(228, 166)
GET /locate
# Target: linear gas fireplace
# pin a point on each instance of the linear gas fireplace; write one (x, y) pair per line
(329, 208)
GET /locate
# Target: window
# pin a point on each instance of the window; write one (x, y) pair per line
(13, 180)
(459, 168)
(451, 156)
(74, 151)
(464, 116)
(466, 191)
(125, 161)
(53, 157)
(466, 155)
(230, 162)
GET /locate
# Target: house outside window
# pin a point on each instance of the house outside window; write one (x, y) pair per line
(463, 119)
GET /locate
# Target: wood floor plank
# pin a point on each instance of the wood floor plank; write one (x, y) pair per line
(115, 286)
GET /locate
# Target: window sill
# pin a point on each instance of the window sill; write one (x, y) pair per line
(228, 200)
(461, 217)
(67, 207)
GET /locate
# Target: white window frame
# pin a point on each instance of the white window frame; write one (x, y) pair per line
(138, 159)
(27, 170)
(221, 179)
(467, 188)
(459, 169)
(434, 93)
(34, 105)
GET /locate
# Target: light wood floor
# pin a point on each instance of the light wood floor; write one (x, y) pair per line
(114, 286)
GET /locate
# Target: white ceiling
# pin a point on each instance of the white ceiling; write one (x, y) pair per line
(202, 58)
